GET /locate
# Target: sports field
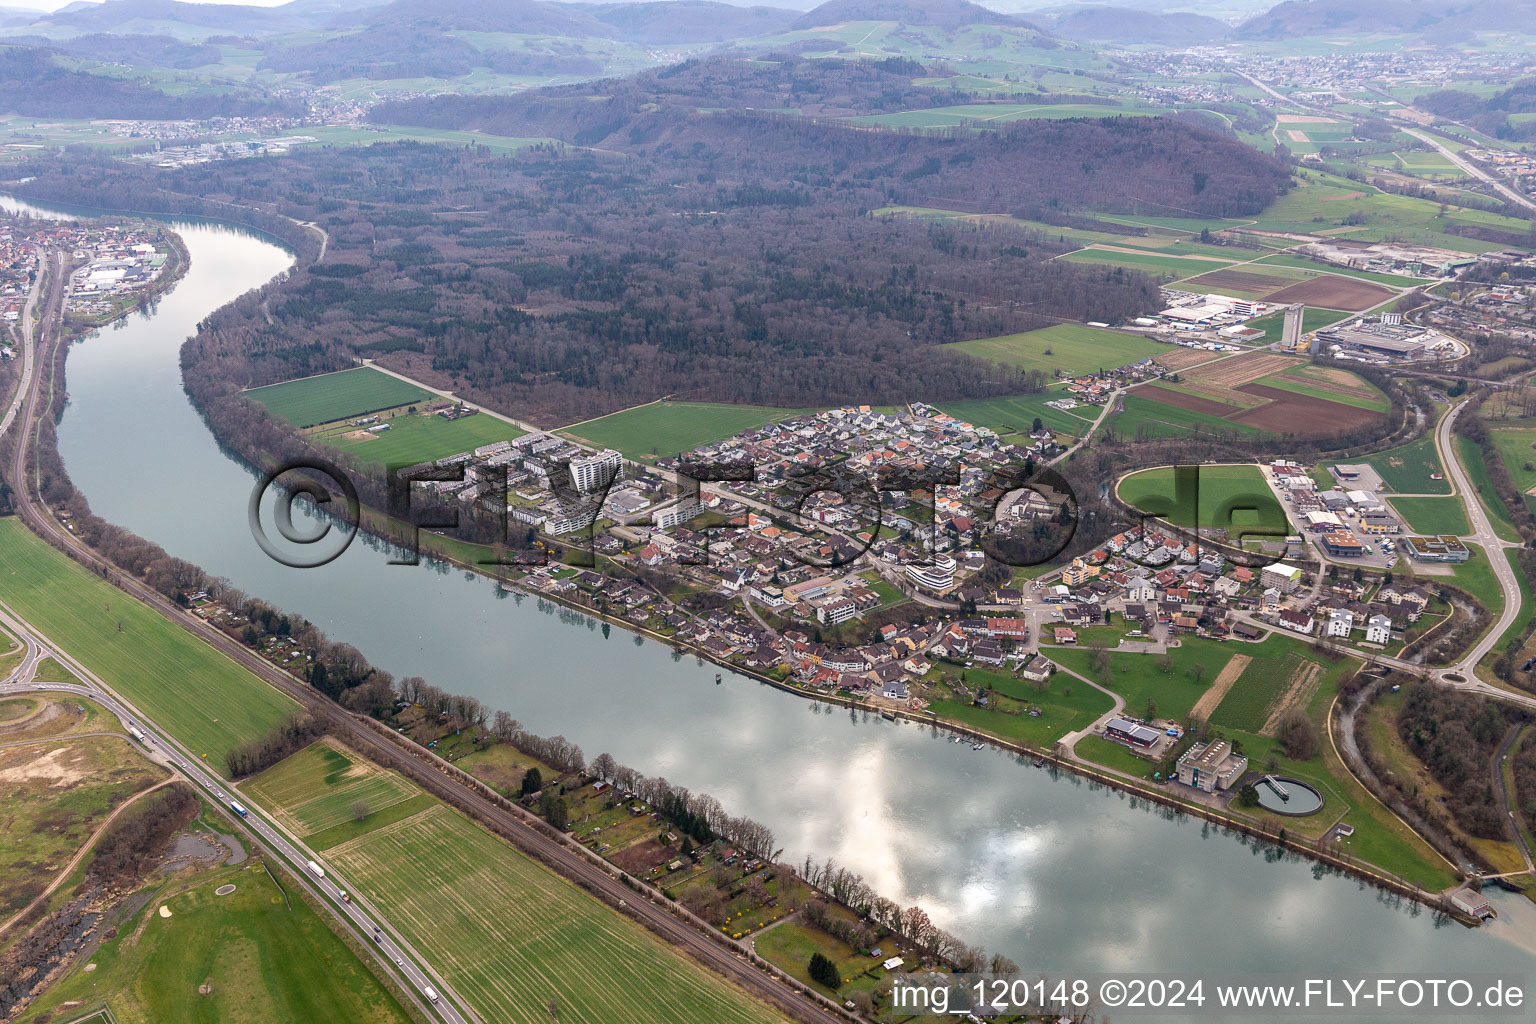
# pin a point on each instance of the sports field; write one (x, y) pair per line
(316, 789)
(247, 957)
(511, 936)
(334, 396)
(419, 437)
(647, 432)
(1233, 496)
(205, 700)
(1433, 515)
(1071, 348)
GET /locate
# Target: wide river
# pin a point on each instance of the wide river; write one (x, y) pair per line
(1058, 875)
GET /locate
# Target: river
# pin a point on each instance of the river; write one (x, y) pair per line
(1058, 875)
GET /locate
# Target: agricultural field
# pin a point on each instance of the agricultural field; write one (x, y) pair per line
(979, 115)
(1286, 259)
(1243, 392)
(248, 957)
(1326, 201)
(1168, 267)
(1250, 281)
(1330, 384)
(1423, 165)
(1333, 292)
(1412, 468)
(511, 936)
(1287, 284)
(1517, 447)
(1278, 678)
(647, 432)
(58, 792)
(1144, 417)
(1433, 515)
(201, 697)
(310, 401)
(1071, 349)
(1215, 496)
(1313, 319)
(1013, 416)
(417, 437)
(322, 791)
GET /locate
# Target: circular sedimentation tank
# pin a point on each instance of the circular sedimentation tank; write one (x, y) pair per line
(1290, 797)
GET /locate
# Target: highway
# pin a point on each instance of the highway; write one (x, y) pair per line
(527, 832)
(1472, 169)
(393, 953)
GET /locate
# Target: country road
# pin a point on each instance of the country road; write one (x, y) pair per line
(1483, 534)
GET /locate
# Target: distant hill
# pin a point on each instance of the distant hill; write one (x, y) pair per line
(691, 21)
(528, 17)
(35, 84)
(1438, 21)
(144, 51)
(945, 14)
(154, 16)
(1128, 25)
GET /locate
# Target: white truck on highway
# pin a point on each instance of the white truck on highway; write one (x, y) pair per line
(316, 869)
(430, 993)
(133, 731)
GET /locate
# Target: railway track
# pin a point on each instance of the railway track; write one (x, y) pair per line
(514, 824)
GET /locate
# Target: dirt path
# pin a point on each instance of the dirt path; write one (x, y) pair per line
(85, 848)
(1206, 705)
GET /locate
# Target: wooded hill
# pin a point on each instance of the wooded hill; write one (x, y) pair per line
(727, 256)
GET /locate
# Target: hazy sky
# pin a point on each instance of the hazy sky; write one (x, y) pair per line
(53, 5)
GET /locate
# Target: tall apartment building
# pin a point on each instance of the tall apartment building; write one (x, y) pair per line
(594, 472)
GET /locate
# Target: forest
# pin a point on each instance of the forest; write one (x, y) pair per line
(36, 84)
(726, 256)
(1454, 735)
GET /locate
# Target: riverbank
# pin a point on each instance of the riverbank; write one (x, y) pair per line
(1000, 856)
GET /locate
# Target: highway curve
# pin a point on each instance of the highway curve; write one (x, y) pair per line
(513, 823)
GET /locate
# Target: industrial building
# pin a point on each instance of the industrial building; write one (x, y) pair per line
(1132, 734)
(1211, 766)
(1436, 549)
